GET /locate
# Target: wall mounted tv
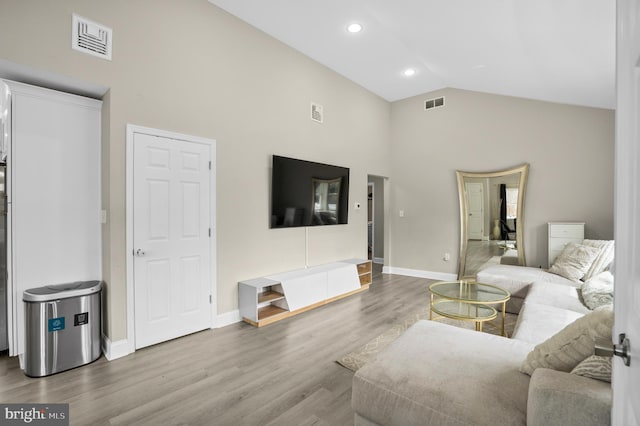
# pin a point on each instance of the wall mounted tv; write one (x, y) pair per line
(304, 193)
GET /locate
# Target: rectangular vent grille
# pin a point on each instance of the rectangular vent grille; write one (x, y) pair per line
(434, 103)
(317, 113)
(90, 37)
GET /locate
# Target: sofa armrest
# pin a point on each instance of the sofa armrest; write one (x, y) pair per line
(559, 398)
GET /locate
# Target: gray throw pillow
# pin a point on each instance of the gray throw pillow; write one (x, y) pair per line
(595, 367)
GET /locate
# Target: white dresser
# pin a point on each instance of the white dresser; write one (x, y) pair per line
(561, 234)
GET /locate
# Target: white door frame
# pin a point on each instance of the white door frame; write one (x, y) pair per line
(371, 186)
(131, 131)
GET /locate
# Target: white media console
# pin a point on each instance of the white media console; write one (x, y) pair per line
(275, 297)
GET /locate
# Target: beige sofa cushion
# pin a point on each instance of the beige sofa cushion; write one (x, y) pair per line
(556, 295)
(437, 374)
(558, 398)
(516, 280)
(573, 344)
(538, 322)
(574, 261)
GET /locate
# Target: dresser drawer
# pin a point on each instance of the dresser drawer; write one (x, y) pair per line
(567, 231)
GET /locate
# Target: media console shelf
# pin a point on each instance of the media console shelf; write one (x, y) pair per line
(275, 297)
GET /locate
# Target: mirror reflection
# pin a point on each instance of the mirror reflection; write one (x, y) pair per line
(491, 219)
(326, 194)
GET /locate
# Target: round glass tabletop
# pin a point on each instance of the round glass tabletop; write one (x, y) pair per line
(469, 292)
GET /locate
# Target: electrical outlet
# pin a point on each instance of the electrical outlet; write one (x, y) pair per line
(357, 206)
(446, 257)
(401, 213)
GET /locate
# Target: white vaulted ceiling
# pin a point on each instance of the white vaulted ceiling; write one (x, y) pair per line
(553, 50)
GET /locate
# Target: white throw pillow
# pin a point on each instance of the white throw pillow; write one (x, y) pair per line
(574, 261)
(573, 344)
(598, 290)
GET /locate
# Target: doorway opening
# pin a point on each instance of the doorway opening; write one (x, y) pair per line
(376, 229)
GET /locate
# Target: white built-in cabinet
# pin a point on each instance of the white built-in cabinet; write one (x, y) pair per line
(275, 297)
(54, 194)
(561, 234)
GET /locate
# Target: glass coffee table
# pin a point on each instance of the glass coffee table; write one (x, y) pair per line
(467, 301)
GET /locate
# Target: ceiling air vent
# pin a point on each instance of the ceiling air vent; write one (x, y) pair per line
(90, 37)
(434, 103)
(317, 113)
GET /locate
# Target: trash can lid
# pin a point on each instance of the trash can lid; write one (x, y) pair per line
(62, 291)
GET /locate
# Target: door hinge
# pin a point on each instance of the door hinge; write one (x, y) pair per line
(209, 232)
(209, 165)
(210, 299)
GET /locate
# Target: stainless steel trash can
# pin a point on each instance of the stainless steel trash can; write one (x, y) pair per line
(62, 327)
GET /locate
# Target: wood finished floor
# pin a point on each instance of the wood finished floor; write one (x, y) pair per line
(281, 374)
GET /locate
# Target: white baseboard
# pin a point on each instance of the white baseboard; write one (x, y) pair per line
(442, 276)
(228, 318)
(378, 260)
(115, 350)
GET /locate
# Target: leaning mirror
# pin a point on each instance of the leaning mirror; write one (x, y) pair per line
(491, 219)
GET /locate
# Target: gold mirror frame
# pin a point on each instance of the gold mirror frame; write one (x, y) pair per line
(464, 212)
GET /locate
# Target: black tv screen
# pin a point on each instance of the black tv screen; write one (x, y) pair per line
(304, 193)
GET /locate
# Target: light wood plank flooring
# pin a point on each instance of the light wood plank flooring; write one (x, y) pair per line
(281, 374)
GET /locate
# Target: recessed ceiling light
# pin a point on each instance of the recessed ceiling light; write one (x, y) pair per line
(409, 72)
(354, 28)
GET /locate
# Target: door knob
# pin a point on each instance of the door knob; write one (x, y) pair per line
(622, 349)
(139, 253)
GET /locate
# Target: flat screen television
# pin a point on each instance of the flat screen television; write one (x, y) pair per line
(304, 193)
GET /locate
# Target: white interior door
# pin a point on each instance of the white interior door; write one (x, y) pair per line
(626, 379)
(475, 201)
(171, 238)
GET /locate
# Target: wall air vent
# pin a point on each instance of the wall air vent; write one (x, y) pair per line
(317, 113)
(434, 103)
(90, 37)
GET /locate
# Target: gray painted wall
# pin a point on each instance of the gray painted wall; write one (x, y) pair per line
(569, 149)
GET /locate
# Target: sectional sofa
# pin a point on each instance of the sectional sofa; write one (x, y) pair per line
(545, 374)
